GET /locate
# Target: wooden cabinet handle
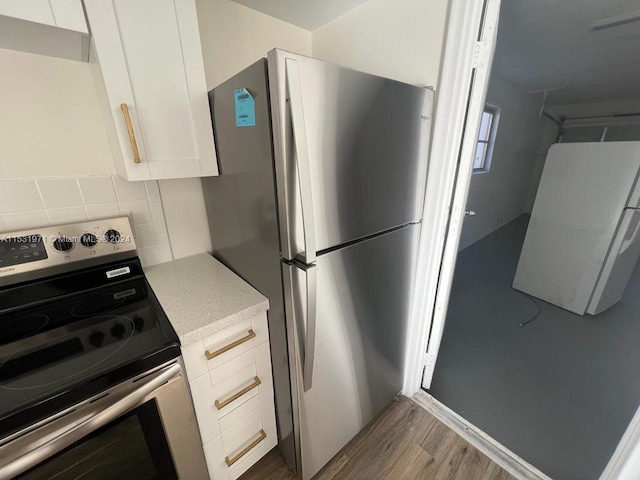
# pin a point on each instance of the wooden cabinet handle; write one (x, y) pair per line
(132, 135)
(220, 404)
(250, 334)
(245, 450)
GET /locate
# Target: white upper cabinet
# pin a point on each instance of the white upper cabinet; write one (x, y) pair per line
(67, 14)
(150, 57)
(38, 11)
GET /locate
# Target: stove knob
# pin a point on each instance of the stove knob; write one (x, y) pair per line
(96, 339)
(88, 240)
(138, 322)
(112, 236)
(117, 331)
(63, 244)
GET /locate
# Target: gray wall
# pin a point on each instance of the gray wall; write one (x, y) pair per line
(620, 129)
(508, 189)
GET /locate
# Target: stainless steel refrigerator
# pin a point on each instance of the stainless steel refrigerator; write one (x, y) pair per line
(318, 206)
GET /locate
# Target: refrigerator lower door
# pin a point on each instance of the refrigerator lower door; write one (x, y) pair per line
(358, 343)
(619, 265)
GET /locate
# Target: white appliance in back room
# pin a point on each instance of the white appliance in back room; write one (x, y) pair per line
(583, 240)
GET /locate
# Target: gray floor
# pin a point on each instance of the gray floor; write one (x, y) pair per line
(559, 392)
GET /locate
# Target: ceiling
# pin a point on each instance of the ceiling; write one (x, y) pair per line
(549, 44)
(308, 14)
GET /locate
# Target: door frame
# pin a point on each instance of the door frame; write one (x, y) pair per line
(469, 47)
(445, 201)
(625, 461)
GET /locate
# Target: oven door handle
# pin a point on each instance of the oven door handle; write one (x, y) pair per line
(31, 458)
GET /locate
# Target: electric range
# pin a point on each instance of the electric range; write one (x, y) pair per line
(79, 322)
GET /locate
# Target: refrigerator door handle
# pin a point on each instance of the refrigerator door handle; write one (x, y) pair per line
(302, 316)
(631, 232)
(310, 339)
(302, 160)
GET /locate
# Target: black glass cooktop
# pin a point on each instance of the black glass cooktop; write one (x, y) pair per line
(67, 338)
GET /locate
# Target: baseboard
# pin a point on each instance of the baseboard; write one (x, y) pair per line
(500, 454)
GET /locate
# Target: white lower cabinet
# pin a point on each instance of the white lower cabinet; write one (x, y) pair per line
(243, 444)
(232, 388)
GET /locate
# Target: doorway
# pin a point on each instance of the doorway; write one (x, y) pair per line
(555, 387)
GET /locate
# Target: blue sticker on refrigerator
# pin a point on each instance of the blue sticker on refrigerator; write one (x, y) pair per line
(245, 108)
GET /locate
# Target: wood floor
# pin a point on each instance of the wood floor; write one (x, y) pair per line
(403, 443)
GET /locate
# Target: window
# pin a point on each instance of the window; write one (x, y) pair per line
(486, 139)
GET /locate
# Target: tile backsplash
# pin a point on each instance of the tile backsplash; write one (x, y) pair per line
(48, 201)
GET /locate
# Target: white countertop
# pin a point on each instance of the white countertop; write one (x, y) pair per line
(201, 296)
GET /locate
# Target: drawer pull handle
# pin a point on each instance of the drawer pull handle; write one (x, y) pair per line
(250, 334)
(132, 135)
(221, 404)
(245, 450)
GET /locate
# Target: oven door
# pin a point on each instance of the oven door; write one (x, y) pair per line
(142, 429)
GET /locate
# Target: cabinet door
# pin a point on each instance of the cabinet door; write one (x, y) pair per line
(150, 57)
(68, 14)
(38, 11)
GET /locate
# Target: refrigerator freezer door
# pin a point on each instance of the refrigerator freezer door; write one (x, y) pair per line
(363, 296)
(364, 146)
(621, 261)
(583, 190)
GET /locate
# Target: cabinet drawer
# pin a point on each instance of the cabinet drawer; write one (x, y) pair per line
(218, 344)
(224, 345)
(240, 379)
(242, 444)
(229, 380)
(206, 412)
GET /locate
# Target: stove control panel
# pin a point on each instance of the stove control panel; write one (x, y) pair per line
(15, 250)
(39, 248)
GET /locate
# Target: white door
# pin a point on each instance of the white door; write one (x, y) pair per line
(621, 261)
(465, 78)
(156, 92)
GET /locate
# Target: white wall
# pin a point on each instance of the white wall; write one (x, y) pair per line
(631, 105)
(619, 129)
(506, 190)
(548, 136)
(233, 37)
(399, 39)
(28, 203)
(56, 163)
(51, 123)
